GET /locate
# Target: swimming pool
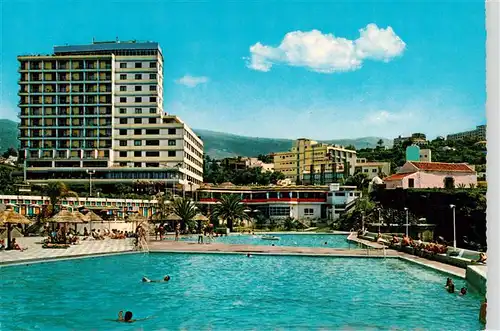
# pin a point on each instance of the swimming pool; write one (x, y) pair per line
(233, 292)
(297, 240)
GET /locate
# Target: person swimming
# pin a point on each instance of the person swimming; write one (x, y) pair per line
(463, 291)
(451, 287)
(249, 255)
(147, 280)
(448, 282)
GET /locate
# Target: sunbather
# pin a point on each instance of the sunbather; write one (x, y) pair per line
(2, 244)
(14, 245)
(482, 258)
(147, 280)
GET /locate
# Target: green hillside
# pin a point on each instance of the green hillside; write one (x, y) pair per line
(220, 145)
(8, 135)
(217, 144)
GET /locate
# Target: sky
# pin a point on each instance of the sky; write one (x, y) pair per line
(321, 70)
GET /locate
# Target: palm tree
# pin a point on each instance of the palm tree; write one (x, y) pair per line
(186, 210)
(57, 191)
(230, 208)
(163, 205)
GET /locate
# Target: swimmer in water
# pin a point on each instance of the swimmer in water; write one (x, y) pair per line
(451, 288)
(463, 291)
(326, 243)
(147, 280)
(249, 255)
(448, 282)
(128, 317)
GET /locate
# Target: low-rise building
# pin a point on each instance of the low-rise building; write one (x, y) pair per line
(415, 138)
(304, 203)
(373, 169)
(241, 163)
(432, 175)
(31, 205)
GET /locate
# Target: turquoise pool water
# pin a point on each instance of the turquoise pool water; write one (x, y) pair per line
(298, 240)
(232, 292)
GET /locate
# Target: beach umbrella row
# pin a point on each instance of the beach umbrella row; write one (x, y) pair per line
(9, 217)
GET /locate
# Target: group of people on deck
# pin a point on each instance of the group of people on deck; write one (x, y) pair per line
(13, 245)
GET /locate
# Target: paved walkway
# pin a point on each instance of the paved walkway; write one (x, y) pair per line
(183, 246)
(35, 252)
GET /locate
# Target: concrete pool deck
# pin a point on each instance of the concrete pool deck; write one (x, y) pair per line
(35, 252)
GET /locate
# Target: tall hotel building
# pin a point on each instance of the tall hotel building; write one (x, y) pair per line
(98, 109)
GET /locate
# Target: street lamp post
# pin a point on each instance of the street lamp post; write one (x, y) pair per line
(454, 227)
(406, 209)
(90, 173)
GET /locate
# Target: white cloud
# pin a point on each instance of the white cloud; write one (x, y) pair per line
(326, 53)
(192, 81)
(385, 117)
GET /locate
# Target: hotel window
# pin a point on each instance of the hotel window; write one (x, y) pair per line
(171, 131)
(123, 65)
(123, 132)
(123, 111)
(171, 143)
(152, 64)
(137, 142)
(411, 182)
(123, 154)
(137, 154)
(123, 88)
(122, 99)
(137, 120)
(152, 110)
(152, 143)
(374, 170)
(138, 76)
(152, 121)
(171, 153)
(123, 76)
(137, 132)
(137, 164)
(138, 65)
(152, 154)
(123, 164)
(138, 88)
(152, 76)
(138, 99)
(123, 143)
(152, 99)
(123, 121)
(152, 87)
(152, 131)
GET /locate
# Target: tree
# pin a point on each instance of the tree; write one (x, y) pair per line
(57, 191)
(186, 209)
(10, 151)
(163, 205)
(230, 208)
(265, 158)
(351, 147)
(380, 143)
(359, 180)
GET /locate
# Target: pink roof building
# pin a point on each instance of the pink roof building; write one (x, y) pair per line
(415, 174)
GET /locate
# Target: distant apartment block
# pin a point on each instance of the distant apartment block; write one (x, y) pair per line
(479, 133)
(311, 162)
(98, 109)
(373, 169)
(415, 138)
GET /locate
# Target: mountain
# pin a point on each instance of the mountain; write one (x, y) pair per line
(217, 144)
(220, 145)
(8, 135)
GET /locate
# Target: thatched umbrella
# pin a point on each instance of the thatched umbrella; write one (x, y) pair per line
(65, 216)
(200, 218)
(92, 217)
(173, 217)
(8, 217)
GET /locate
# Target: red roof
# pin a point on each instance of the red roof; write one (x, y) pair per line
(397, 176)
(441, 166)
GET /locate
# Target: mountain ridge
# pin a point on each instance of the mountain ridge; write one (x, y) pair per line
(217, 144)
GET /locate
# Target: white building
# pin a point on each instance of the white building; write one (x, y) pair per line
(98, 108)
